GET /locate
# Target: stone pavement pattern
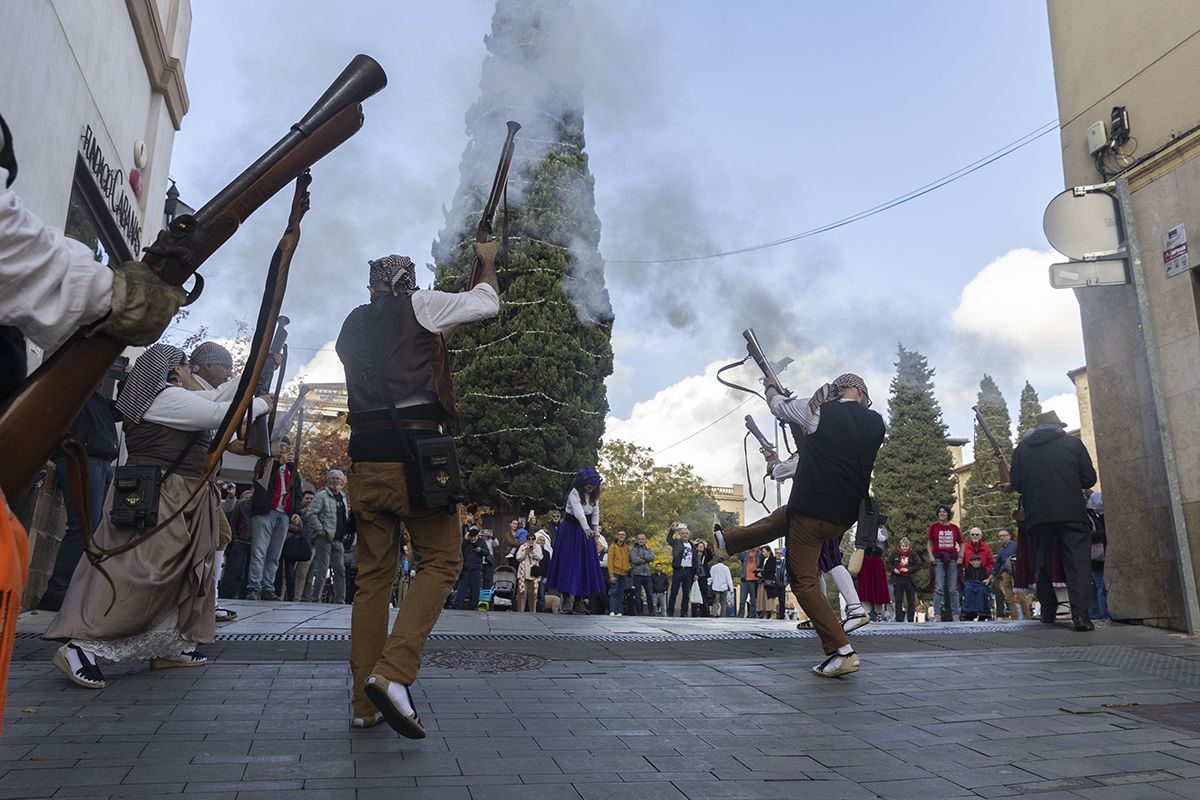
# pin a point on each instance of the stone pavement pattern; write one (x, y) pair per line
(970, 711)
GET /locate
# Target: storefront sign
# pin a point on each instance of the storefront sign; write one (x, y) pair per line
(1175, 251)
(111, 183)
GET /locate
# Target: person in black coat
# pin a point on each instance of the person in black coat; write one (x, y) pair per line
(1051, 470)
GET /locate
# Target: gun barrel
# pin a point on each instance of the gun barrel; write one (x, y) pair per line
(757, 433)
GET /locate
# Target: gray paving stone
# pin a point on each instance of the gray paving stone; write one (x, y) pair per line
(917, 789)
(26, 778)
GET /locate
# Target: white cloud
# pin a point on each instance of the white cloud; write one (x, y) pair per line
(1067, 408)
(324, 367)
(697, 421)
(1010, 301)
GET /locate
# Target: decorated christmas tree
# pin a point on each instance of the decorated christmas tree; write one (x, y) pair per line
(530, 383)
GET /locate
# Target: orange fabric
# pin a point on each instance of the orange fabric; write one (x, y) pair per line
(14, 554)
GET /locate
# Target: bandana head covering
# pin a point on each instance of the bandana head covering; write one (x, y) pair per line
(833, 391)
(147, 378)
(211, 353)
(398, 272)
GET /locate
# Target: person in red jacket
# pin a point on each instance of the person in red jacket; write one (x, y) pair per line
(975, 545)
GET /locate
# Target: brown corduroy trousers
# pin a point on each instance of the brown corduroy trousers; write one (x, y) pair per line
(379, 494)
(803, 537)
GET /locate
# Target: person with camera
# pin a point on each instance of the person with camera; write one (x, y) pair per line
(678, 537)
(401, 400)
(275, 503)
(475, 556)
(328, 515)
(529, 570)
(162, 599)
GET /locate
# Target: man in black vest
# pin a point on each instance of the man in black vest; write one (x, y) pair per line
(841, 442)
(399, 391)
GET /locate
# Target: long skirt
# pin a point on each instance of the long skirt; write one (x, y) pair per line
(831, 555)
(163, 598)
(575, 566)
(872, 582)
(1025, 567)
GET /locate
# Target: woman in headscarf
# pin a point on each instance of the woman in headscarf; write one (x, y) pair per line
(575, 568)
(162, 597)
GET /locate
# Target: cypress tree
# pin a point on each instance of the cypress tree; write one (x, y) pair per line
(913, 470)
(530, 383)
(1030, 408)
(986, 506)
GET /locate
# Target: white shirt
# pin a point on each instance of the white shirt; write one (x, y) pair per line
(795, 409)
(184, 410)
(786, 469)
(50, 284)
(720, 578)
(588, 515)
(442, 312)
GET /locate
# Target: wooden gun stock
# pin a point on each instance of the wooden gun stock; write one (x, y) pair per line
(997, 453)
(34, 418)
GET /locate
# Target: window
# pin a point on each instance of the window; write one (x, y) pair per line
(88, 220)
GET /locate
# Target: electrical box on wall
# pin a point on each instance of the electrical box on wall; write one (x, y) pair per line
(1097, 137)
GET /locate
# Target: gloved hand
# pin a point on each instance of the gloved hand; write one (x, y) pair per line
(142, 305)
(487, 250)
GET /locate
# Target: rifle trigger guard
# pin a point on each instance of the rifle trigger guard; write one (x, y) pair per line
(197, 288)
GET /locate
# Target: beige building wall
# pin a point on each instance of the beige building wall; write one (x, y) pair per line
(1142, 56)
(1087, 428)
(730, 499)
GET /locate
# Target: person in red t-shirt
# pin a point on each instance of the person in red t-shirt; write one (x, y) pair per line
(945, 554)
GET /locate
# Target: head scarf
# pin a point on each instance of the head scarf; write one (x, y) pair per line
(522, 535)
(211, 353)
(398, 272)
(833, 391)
(1096, 502)
(147, 378)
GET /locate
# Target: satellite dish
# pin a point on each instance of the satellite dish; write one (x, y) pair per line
(1082, 225)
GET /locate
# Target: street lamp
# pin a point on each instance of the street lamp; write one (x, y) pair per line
(645, 477)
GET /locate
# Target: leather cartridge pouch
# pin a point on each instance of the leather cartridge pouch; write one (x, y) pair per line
(434, 479)
(136, 491)
(135, 497)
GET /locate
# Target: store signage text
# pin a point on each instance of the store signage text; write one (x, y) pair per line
(112, 186)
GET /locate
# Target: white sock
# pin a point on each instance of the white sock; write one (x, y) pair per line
(845, 650)
(398, 694)
(845, 585)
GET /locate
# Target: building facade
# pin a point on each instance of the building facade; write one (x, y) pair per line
(1142, 339)
(93, 91)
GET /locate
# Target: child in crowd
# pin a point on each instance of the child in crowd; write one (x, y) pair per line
(976, 592)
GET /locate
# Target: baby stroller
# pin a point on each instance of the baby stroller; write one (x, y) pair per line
(504, 588)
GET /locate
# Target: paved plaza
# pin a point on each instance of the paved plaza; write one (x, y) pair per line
(537, 706)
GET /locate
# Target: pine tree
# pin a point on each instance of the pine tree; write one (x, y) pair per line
(1030, 408)
(530, 383)
(986, 506)
(913, 470)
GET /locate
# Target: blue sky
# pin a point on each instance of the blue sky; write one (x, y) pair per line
(709, 126)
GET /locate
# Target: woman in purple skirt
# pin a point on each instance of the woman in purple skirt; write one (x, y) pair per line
(575, 568)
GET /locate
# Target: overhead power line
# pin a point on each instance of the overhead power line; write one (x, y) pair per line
(934, 185)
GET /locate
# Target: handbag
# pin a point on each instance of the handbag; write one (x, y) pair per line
(297, 548)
